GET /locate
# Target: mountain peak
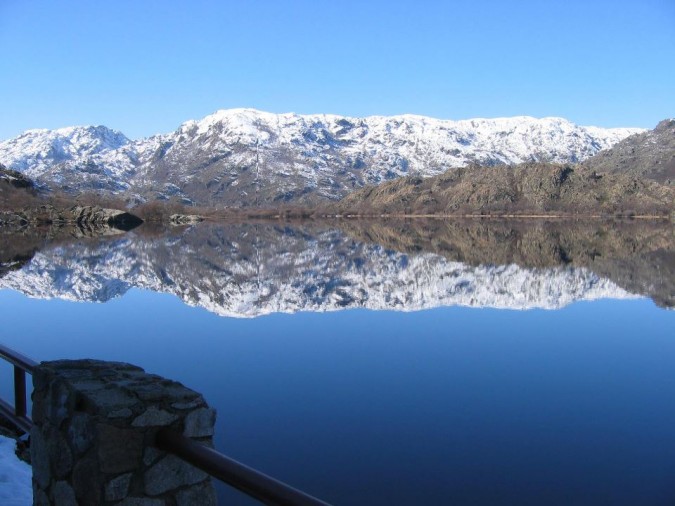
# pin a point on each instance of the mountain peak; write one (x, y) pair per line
(666, 124)
(69, 131)
(649, 154)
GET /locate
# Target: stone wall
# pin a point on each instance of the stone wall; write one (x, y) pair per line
(94, 429)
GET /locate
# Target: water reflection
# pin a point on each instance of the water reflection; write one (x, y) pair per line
(247, 270)
(447, 406)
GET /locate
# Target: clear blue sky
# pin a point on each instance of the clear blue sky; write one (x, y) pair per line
(144, 67)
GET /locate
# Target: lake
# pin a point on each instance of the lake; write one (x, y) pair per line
(398, 362)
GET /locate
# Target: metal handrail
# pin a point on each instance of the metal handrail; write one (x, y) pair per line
(22, 365)
(253, 483)
(16, 358)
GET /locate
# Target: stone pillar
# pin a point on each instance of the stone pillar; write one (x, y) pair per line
(93, 433)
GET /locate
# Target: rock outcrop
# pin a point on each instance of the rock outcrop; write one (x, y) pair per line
(87, 221)
(15, 178)
(526, 189)
(184, 219)
(95, 217)
(648, 155)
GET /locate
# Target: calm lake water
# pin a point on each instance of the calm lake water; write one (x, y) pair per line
(387, 363)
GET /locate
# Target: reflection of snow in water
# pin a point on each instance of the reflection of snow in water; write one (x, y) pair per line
(231, 275)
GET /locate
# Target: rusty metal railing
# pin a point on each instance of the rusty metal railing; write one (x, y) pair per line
(249, 481)
(22, 365)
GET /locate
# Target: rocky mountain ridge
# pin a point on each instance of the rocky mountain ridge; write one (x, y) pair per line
(244, 157)
(525, 189)
(648, 155)
(13, 180)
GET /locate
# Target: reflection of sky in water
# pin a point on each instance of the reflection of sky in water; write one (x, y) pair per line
(449, 405)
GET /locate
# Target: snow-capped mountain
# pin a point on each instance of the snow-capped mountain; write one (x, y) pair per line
(247, 157)
(77, 158)
(250, 270)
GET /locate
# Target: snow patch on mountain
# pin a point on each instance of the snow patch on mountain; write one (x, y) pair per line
(35, 151)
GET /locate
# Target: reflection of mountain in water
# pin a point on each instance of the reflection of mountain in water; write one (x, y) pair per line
(638, 256)
(254, 269)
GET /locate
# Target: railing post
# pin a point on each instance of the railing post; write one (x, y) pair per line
(93, 426)
(22, 365)
(19, 392)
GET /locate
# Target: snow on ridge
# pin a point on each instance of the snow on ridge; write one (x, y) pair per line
(248, 112)
(93, 138)
(388, 146)
(251, 113)
(325, 152)
(501, 121)
(36, 152)
(480, 133)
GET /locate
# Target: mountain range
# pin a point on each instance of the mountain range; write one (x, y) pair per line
(245, 157)
(635, 176)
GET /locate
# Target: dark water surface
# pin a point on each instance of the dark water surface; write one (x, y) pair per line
(497, 364)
